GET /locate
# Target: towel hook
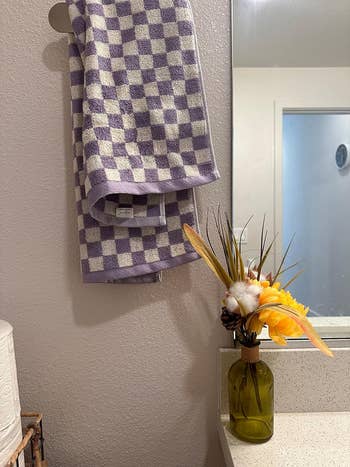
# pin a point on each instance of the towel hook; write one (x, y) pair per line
(59, 18)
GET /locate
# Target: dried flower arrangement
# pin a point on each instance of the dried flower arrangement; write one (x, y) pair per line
(254, 300)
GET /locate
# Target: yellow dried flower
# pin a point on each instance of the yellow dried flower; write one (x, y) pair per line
(279, 324)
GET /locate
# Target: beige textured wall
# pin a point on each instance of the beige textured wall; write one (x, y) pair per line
(124, 374)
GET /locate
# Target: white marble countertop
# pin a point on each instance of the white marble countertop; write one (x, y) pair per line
(299, 440)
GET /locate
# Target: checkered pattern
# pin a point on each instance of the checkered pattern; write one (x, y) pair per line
(140, 134)
(112, 253)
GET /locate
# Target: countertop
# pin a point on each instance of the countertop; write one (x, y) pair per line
(318, 439)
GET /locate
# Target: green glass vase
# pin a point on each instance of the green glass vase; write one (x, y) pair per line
(251, 402)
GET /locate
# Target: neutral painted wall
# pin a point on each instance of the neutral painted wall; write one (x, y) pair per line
(257, 92)
(291, 33)
(125, 375)
(316, 209)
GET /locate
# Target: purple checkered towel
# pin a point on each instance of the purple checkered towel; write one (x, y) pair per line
(141, 135)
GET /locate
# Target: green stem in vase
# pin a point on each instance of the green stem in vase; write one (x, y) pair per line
(242, 386)
(254, 375)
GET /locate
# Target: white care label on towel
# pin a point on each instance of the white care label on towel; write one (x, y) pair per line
(125, 213)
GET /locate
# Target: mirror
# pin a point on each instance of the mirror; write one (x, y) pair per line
(291, 144)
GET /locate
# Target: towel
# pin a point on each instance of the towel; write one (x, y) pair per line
(141, 135)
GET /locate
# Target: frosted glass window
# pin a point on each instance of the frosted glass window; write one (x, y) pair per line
(316, 207)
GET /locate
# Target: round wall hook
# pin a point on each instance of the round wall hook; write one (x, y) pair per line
(59, 18)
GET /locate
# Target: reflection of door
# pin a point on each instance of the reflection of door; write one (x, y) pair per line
(316, 207)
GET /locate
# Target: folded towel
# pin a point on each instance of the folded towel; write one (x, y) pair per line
(140, 133)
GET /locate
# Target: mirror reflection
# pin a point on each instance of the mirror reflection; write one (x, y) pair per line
(291, 150)
(316, 195)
